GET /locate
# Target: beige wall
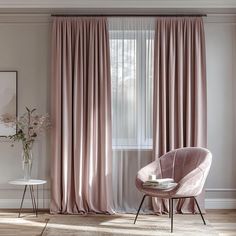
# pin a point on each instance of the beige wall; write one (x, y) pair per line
(25, 46)
(221, 78)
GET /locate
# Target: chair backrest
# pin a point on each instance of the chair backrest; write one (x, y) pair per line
(178, 163)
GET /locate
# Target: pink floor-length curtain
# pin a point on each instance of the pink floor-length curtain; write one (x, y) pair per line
(81, 116)
(179, 102)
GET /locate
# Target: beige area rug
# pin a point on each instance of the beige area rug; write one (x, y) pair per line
(146, 225)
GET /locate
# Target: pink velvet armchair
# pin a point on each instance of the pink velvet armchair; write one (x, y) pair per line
(188, 167)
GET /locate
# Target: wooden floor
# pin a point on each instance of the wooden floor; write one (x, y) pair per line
(224, 222)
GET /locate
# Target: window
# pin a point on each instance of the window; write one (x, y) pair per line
(132, 83)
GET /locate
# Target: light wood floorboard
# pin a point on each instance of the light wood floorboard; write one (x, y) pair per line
(224, 222)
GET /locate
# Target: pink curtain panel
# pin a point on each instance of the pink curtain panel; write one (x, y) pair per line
(81, 116)
(179, 102)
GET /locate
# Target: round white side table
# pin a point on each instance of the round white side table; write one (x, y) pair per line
(29, 183)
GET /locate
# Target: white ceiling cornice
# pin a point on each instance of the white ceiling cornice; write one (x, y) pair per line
(71, 4)
(46, 18)
(118, 6)
(25, 18)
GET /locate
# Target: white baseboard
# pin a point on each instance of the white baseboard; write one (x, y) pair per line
(15, 203)
(218, 203)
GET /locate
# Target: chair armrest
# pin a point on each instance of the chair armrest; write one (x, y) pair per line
(192, 183)
(151, 169)
(143, 175)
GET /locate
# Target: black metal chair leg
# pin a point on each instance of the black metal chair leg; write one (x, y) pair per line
(139, 209)
(22, 200)
(204, 222)
(172, 215)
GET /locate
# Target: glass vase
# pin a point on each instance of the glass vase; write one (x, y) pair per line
(27, 162)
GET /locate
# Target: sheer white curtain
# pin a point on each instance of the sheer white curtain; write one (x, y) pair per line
(131, 50)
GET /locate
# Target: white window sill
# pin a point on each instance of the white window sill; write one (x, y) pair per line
(134, 147)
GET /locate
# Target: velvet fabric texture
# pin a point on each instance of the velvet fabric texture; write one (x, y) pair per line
(179, 100)
(81, 116)
(188, 167)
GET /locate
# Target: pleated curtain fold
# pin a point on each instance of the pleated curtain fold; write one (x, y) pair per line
(81, 106)
(179, 95)
(81, 116)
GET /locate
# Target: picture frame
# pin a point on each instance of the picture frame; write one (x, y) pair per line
(8, 100)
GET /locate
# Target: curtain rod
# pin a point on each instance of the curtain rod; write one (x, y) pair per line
(130, 15)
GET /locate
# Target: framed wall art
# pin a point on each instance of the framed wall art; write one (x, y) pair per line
(8, 102)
